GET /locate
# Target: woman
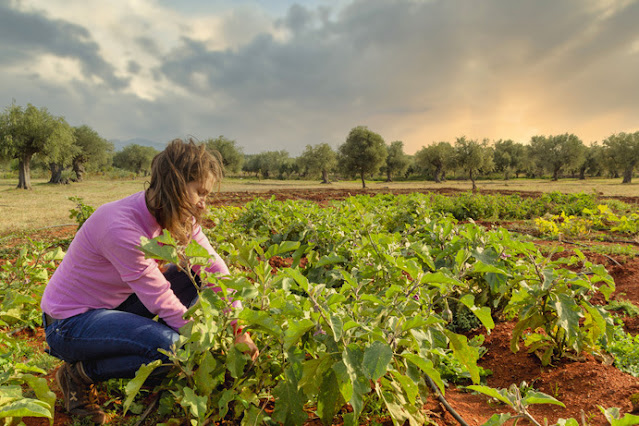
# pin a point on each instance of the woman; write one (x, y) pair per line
(100, 303)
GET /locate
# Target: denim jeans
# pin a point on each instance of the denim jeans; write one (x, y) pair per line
(114, 343)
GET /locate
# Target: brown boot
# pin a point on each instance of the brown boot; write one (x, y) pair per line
(80, 394)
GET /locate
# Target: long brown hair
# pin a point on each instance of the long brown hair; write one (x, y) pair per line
(171, 170)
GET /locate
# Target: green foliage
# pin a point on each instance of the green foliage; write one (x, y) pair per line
(232, 156)
(82, 211)
(626, 306)
(22, 283)
(135, 158)
(625, 348)
(317, 160)
(364, 152)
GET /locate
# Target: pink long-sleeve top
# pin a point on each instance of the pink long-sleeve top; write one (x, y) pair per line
(103, 267)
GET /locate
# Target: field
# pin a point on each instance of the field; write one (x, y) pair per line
(418, 251)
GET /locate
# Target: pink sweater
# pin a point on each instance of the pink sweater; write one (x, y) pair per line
(103, 266)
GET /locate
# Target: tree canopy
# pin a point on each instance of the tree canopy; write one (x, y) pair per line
(557, 153)
(135, 158)
(30, 131)
(397, 161)
(473, 157)
(622, 151)
(437, 158)
(317, 160)
(232, 155)
(363, 152)
(94, 151)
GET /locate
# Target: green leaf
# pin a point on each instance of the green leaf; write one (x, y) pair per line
(427, 367)
(483, 313)
(491, 392)
(133, 387)
(204, 381)
(612, 414)
(567, 422)
(535, 397)
(330, 260)
(376, 359)
(41, 389)
(461, 351)
(337, 326)
(235, 362)
(408, 385)
(328, 397)
(295, 331)
(353, 358)
(568, 315)
(300, 279)
(498, 419)
(26, 407)
(227, 396)
(289, 401)
(194, 403)
(152, 249)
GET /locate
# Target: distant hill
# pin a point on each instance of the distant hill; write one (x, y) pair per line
(118, 144)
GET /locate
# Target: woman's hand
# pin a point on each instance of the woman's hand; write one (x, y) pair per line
(246, 339)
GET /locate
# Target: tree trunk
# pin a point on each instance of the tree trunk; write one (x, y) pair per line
(627, 175)
(437, 171)
(325, 176)
(363, 181)
(472, 179)
(507, 174)
(24, 172)
(56, 173)
(582, 173)
(555, 175)
(79, 170)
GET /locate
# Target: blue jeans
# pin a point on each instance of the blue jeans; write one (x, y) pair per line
(114, 343)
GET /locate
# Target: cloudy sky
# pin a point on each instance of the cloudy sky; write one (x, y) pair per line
(279, 74)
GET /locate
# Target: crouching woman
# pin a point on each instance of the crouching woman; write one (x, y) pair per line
(99, 305)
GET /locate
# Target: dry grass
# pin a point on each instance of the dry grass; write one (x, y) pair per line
(48, 205)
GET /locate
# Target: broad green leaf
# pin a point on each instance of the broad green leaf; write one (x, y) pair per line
(483, 313)
(353, 358)
(568, 315)
(426, 366)
(261, 319)
(613, 416)
(567, 422)
(535, 397)
(133, 386)
(300, 279)
(330, 260)
(461, 351)
(498, 419)
(41, 389)
(235, 362)
(26, 407)
(337, 326)
(328, 397)
(204, 381)
(376, 359)
(196, 404)
(227, 396)
(289, 401)
(408, 385)
(152, 249)
(491, 392)
(295, 331)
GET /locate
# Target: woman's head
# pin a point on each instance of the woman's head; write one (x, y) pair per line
(182, 176)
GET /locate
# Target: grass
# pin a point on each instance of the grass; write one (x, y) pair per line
(48, 205)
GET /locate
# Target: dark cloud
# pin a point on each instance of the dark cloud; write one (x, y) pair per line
(133, 67)
(27, 35)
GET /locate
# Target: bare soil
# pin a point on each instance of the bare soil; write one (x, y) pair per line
(581, 384)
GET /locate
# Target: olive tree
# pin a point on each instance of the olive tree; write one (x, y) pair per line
(27, 132)
(622, 151)
(473, 157)
(232, 155)
(438, 158)
(317, 160)
(363, 152)
(94, 151)
(135, 158)
(509, 157)
(397, 161)
(557, 153)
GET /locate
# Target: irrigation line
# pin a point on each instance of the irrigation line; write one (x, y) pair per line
(441, 398)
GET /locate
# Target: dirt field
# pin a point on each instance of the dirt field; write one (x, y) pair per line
(582, 384)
